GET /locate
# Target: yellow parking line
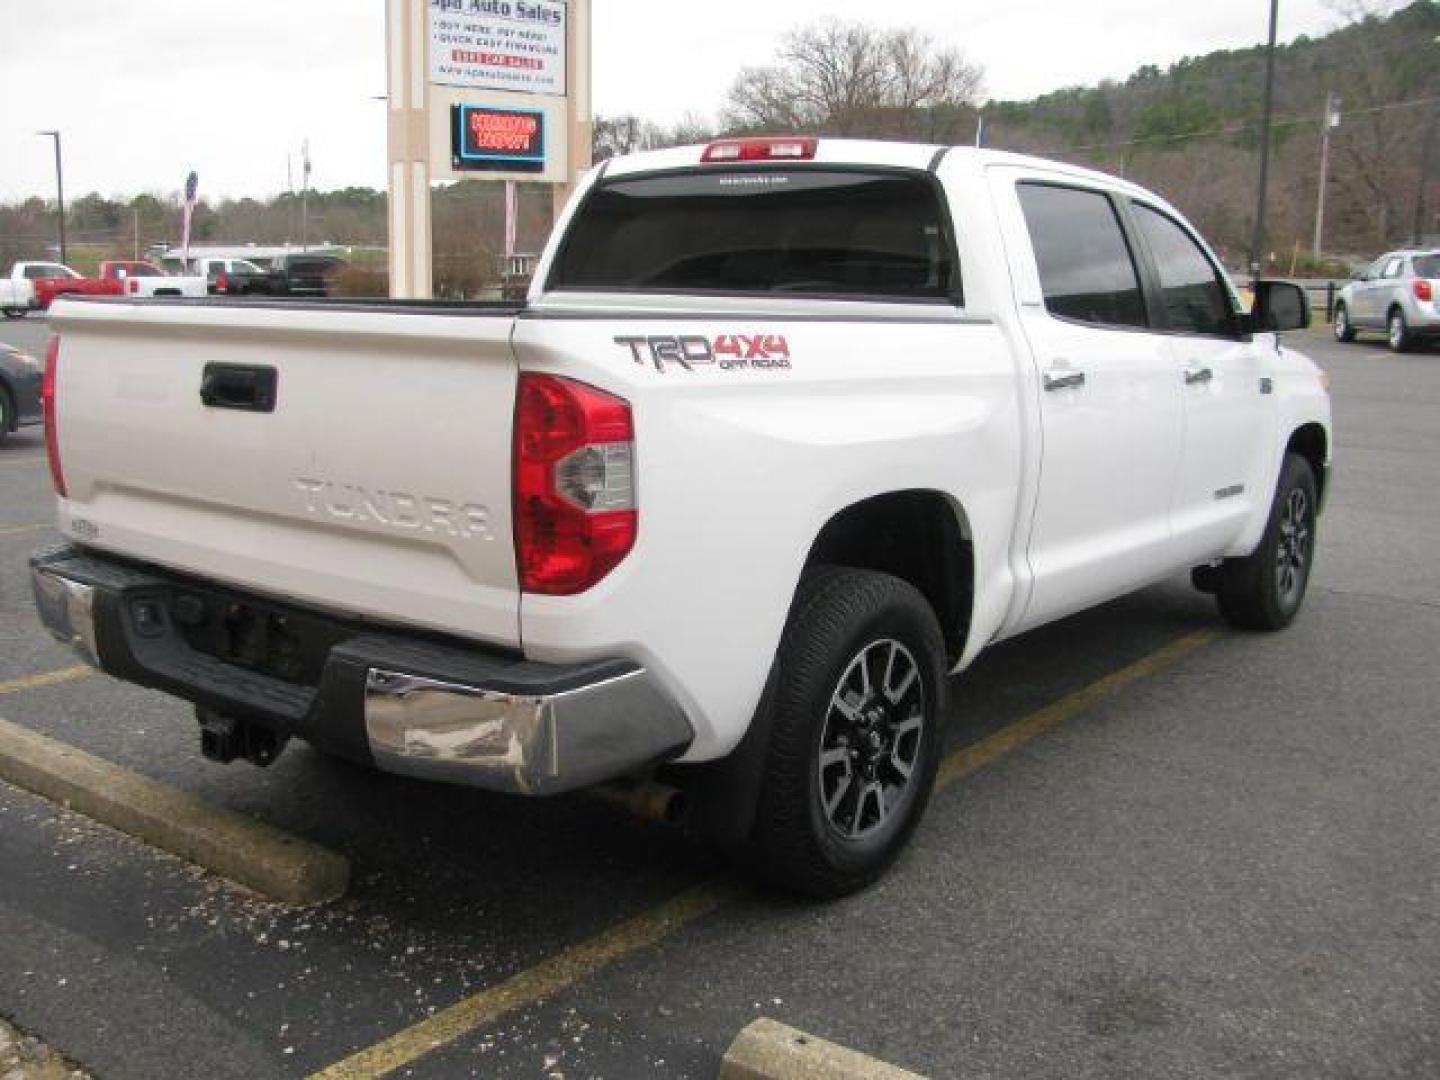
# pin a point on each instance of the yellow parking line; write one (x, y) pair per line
(536, 984)
(570, 966)
(976, 756)
(48, 678)
(15, 530)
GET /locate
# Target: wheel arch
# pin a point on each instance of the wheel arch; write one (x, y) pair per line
(1312, 442)
(921, 536)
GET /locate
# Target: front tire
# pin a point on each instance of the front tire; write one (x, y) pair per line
(1344, 329)
(1264, 591)
(855, 741)
(1397, 331)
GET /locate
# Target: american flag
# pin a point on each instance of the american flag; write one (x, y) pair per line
(192, 187)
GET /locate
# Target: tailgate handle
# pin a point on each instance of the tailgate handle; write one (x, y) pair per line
(249, 387)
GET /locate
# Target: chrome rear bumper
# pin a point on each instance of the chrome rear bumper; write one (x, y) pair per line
(531, 743)
(404, 702)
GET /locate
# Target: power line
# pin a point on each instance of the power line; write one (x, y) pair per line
(1236, 129)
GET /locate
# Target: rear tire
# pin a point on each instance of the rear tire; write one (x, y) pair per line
(855, 741)
(1397, 331)
(1264, 591)
(1344, 330)
(14, 313)
(7, 414)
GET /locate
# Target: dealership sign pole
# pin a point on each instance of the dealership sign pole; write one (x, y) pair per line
(483, 89)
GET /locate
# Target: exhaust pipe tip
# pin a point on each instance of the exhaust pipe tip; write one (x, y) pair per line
(645, 799)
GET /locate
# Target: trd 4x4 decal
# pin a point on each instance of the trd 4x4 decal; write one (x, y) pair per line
(757, 352)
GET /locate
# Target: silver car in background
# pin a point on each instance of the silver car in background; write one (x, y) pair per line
(1398, 293)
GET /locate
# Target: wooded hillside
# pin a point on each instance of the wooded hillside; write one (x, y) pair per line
(1189, 131)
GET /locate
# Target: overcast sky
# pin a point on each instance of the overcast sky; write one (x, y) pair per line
(145, 90)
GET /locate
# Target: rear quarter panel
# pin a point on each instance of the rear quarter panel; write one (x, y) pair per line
(739, 468)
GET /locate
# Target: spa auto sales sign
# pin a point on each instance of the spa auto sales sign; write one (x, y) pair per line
(498, 45)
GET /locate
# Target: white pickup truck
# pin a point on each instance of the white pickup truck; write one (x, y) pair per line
(786, 431)
(18, 294)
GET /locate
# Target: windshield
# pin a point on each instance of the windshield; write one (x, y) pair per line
(1428, 266)
(763, 231)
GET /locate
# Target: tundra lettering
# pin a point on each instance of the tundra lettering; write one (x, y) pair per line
(398, 509)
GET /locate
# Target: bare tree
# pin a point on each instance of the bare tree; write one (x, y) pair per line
(616, 135)
(848, 78)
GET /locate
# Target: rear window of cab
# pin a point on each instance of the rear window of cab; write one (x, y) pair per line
(768, 231)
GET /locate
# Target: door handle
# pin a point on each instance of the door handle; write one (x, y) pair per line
(1195, 375)
(1061, 379)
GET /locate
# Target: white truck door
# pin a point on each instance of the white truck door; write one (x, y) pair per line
(1110, 403)
(1228, 422)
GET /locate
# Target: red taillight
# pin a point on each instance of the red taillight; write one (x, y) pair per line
(47, 404)
(1423, 290)
(134, 285)
(759, 150)
(222, 284)
(575, 513)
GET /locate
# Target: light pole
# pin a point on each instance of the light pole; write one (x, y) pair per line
(1330, 120)
(1417, 230)
(59, 189)
(1257, 240)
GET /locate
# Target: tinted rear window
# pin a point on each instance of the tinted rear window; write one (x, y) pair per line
(1427, 266)
(767, 232)
(1086, 270)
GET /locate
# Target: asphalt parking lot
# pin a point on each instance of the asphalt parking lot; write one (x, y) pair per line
(1226, 863)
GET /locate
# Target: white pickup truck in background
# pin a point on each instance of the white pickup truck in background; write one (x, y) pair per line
(787, 431)
(17, 290)
(143, 280)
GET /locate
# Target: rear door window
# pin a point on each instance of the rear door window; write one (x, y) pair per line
(1087, 272)
(764, 231)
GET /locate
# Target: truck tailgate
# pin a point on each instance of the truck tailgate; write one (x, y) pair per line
(378, 484)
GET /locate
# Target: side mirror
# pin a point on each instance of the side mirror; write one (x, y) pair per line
(1279, 305)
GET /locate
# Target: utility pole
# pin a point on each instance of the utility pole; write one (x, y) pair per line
(59, 190)
(1417, 229)
(305, 196)
(135, 216)
(1331, 119)
(1257, 240)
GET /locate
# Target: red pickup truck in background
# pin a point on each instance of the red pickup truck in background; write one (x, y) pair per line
(32, 286)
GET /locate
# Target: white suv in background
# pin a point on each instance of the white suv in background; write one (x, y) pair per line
(1396, 293)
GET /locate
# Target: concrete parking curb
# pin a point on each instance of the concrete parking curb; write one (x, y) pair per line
(769, 1050)
(281, 866)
